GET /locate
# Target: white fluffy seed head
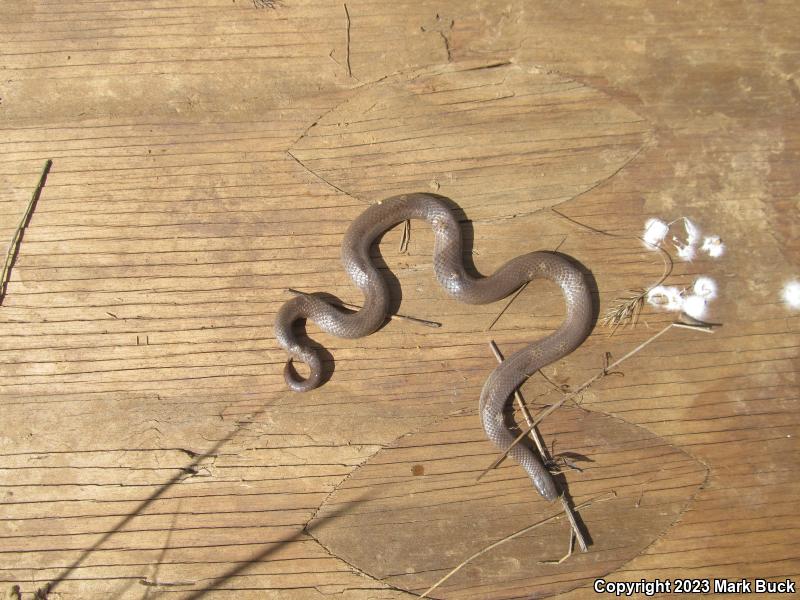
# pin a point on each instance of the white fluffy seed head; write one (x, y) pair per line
(705, 287)
(713, 246)
(686, 252)
(655, 230)
(694, 306)
(692, 232)
(666, 297)
(791, 294)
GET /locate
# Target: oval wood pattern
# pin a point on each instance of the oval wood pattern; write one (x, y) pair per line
(400, 517)
(501, 139)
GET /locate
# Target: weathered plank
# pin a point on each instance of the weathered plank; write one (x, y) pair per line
(149, 446)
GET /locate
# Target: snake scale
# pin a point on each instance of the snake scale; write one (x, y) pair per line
(449, 270)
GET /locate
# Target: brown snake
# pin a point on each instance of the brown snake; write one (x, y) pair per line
(449, 269)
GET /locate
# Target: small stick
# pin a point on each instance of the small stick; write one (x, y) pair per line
(705, 328)
(554, 517)
(424, 322)
(347, 14)
(505, 308)
(157, 583)
(537, 439)
(603, 372)
(576, 531)
(13, 248)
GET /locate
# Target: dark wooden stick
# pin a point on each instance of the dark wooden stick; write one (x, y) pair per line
(13, 248)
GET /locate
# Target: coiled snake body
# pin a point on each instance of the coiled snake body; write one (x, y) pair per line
(449, 269)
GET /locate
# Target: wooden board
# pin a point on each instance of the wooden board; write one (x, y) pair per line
(209, 155)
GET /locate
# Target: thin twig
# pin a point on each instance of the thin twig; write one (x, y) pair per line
(13, 248)
(704, 327)
(424, 322)
(537, 439)
(505, 308)
(347, 15)
(490, 547)
(602, 373)
(157, 583)
(576, 531)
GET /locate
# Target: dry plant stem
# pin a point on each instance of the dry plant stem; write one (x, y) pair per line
(424, 322)
(13, 248)
(347, 14)
(505, 308)
(537, 439)
(704, 327)
(602, 373)
(490, 547)
(157, 583)
(575, 531)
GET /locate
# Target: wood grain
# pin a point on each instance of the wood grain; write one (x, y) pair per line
(149, 447)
